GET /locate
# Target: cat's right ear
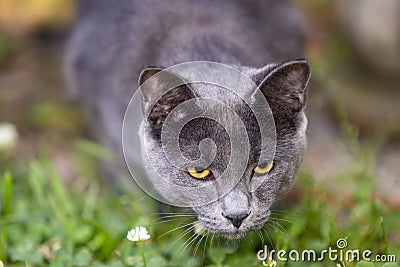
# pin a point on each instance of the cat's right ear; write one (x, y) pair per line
(284, 85)
(162, 91)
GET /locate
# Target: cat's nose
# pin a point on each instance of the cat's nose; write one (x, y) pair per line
(236, 218)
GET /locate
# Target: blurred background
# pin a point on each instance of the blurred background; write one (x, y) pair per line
(354, 47)
(354, 135)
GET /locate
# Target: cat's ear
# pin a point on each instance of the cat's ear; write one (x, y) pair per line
(162, 91)
(284, 85)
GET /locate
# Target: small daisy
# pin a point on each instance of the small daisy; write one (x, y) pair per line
(269, 263)
(8, 136)
(138, 233)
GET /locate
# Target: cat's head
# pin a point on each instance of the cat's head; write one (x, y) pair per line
(240, 209)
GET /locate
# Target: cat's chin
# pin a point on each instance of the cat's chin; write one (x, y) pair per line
(232, 233)
(237, 235)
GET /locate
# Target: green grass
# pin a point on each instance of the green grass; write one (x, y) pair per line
(45, 223)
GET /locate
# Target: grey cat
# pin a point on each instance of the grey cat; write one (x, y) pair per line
(114, 43)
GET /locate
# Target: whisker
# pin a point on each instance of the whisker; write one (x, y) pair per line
(172, 216)
(283, 228)
(180, 250)
(301, 212)
(204, 251)
(280, 226)
(290, 238)
(269, 239)
(171, 220)
(273, 225)
(281, 219)
(198, 244)
(176, 228)
(176, 214)
(212, 238)
(250, 241)
(277, 229)
(281, 212)
(191, 241)
(187, 231)
(285, 211)
(172, 213)
(261, 237)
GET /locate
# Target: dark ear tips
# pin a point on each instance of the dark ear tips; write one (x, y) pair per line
(294, 74)
(285, 85)
(161, 91)
(147, 73)
(303, 67)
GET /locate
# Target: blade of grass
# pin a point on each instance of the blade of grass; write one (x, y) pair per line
(90, 201)
(65, 220)
(59, 192)
(95, 150)
(8, 189)
(36, 181)
(384, 237)
(7, 193)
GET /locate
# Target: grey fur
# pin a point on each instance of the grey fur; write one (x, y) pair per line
(114, 42)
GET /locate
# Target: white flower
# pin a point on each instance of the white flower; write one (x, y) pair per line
(8, 136)
(1, 264)
(269, 263)
(138, 234)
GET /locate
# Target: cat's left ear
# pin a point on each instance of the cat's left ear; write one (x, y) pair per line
(162, 91)
(284, 85)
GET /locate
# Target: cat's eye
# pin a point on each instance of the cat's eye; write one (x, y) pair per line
(264, 168)
(199, 173)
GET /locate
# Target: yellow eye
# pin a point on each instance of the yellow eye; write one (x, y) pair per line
(198, 173)
(264, 167)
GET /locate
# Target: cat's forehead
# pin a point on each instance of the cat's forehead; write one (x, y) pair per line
(202, 128)
(232, 97)
(227, 107)
(218, 127)
(219, 100)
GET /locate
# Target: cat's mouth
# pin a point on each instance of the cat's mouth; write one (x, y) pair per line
(231, 233)
(235, 235)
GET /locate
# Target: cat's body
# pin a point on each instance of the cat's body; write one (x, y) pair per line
(114, 42)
